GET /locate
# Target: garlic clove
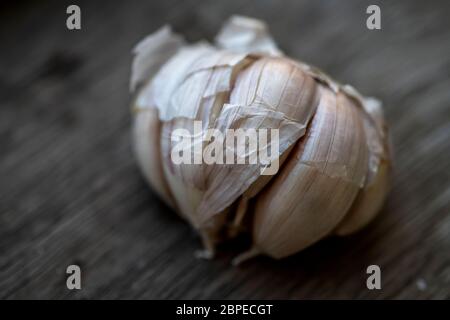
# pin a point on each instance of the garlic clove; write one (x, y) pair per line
(318, 182)
(146, 144)
(184, 181)
(180, 178)
(368, 202)
(371, 198)
(279, 85)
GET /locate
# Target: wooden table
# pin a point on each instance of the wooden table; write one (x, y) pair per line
(71, 193)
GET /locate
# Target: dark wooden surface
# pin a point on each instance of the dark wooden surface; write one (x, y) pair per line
(70, 191)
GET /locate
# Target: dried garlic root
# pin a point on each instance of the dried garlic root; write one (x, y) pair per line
(334, 163)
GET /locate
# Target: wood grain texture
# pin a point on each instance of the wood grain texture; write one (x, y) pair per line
(70, 191)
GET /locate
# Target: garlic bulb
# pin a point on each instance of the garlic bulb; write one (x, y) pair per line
(330, 144)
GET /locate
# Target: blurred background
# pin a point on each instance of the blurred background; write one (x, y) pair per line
(71, 193)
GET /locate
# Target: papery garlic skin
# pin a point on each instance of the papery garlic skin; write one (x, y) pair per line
(334, 158)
